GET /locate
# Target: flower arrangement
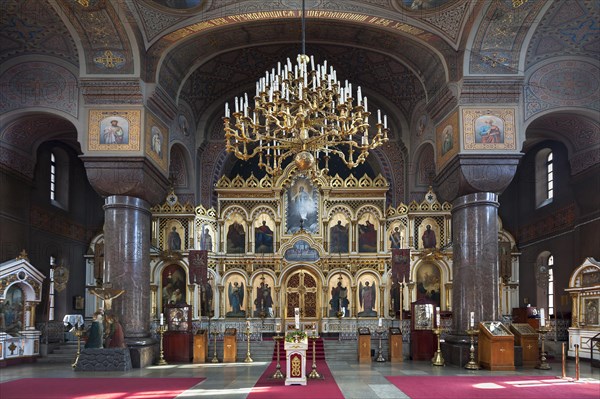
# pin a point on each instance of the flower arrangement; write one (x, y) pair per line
(295, 336)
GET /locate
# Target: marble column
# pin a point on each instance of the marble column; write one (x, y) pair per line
(476, 277)
(127, 256)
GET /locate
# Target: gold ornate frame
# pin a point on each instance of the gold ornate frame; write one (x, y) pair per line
(95, 123)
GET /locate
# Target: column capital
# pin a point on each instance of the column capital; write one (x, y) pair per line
(131, 176)
(472, 173)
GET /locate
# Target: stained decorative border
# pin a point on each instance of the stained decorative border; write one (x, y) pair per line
(502, 117)
(96, 121)
(447, 126)
(157, 152)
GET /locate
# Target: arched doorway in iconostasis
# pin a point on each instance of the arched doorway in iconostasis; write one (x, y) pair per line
(302, 287)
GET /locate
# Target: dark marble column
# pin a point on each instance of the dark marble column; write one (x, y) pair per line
(127, 260)
(475, 259)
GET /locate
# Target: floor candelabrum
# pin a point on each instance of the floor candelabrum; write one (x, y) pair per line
(379, 330)
(278, 374)
(438, 359)
(472, 364)
(542, 331)
(78, 332)
(215, 359)
(314, 373)
(161, 330)
(248, 358)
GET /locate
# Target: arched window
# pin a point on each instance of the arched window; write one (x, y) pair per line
(544, 177)
(550, 285)
(59, 178)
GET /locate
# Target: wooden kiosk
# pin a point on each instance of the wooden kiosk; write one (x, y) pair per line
(423, 342)
(178, 338)
(364, 345)
(496, 349)
(395, 345)
(200, 346)
(527, 338)
(230, 345)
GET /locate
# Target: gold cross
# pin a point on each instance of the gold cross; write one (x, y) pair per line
(518, 3)
(109, 60)
(494, 60)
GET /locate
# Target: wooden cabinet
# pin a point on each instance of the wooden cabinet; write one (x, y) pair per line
(527, 338)
(200, 346)
(364, 345)
(177, 347)
(395, 345)
(178, 338)
(496, 348)
(230, 346)
(423, 342)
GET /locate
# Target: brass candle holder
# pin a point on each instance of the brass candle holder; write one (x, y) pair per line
(161, 330)
(78, 332)
(248, 358)
(314, 373)
(472, 364)
(215, 359)
(278, 374)
(379, 330)
(438, 359)
(543, 330)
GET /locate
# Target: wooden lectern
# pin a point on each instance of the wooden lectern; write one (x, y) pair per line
(395, 345)
(496, 348)
(527, 338)
(364, 345)
(230, 345)
(200, 346)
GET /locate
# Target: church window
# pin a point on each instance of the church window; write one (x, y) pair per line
(544, 177)
(59, 178)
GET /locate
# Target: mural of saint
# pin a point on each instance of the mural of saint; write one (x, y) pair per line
(367, 237)
(339, 300)
(173, 285)
(114, 130)
(489, 130)
(263, 236)
(448, 140)
(206, 242)
(263, 303)
(236, 238)
(428, 283)
(174, 240)
(156, 141)
(207, 299)
(302, 207)
(428, 237)
(11, 310)
(396, 239)
(338, 234)
(367, 299)
(235, 293)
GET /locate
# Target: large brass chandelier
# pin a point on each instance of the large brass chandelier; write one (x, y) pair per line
(302, 112)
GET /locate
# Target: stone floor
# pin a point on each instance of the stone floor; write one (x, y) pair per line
(235, 380)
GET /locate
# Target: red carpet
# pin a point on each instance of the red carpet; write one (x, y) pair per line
(495, 387)
(268, 388)
(96, 388)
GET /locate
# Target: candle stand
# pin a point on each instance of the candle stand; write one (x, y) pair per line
(215, 359)
(314, 373)
(78, 332)
(278, 374)
(438, 359)
(379, 330)
(248, 358)
(472, 364)
(542, 330)
(161, 330)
